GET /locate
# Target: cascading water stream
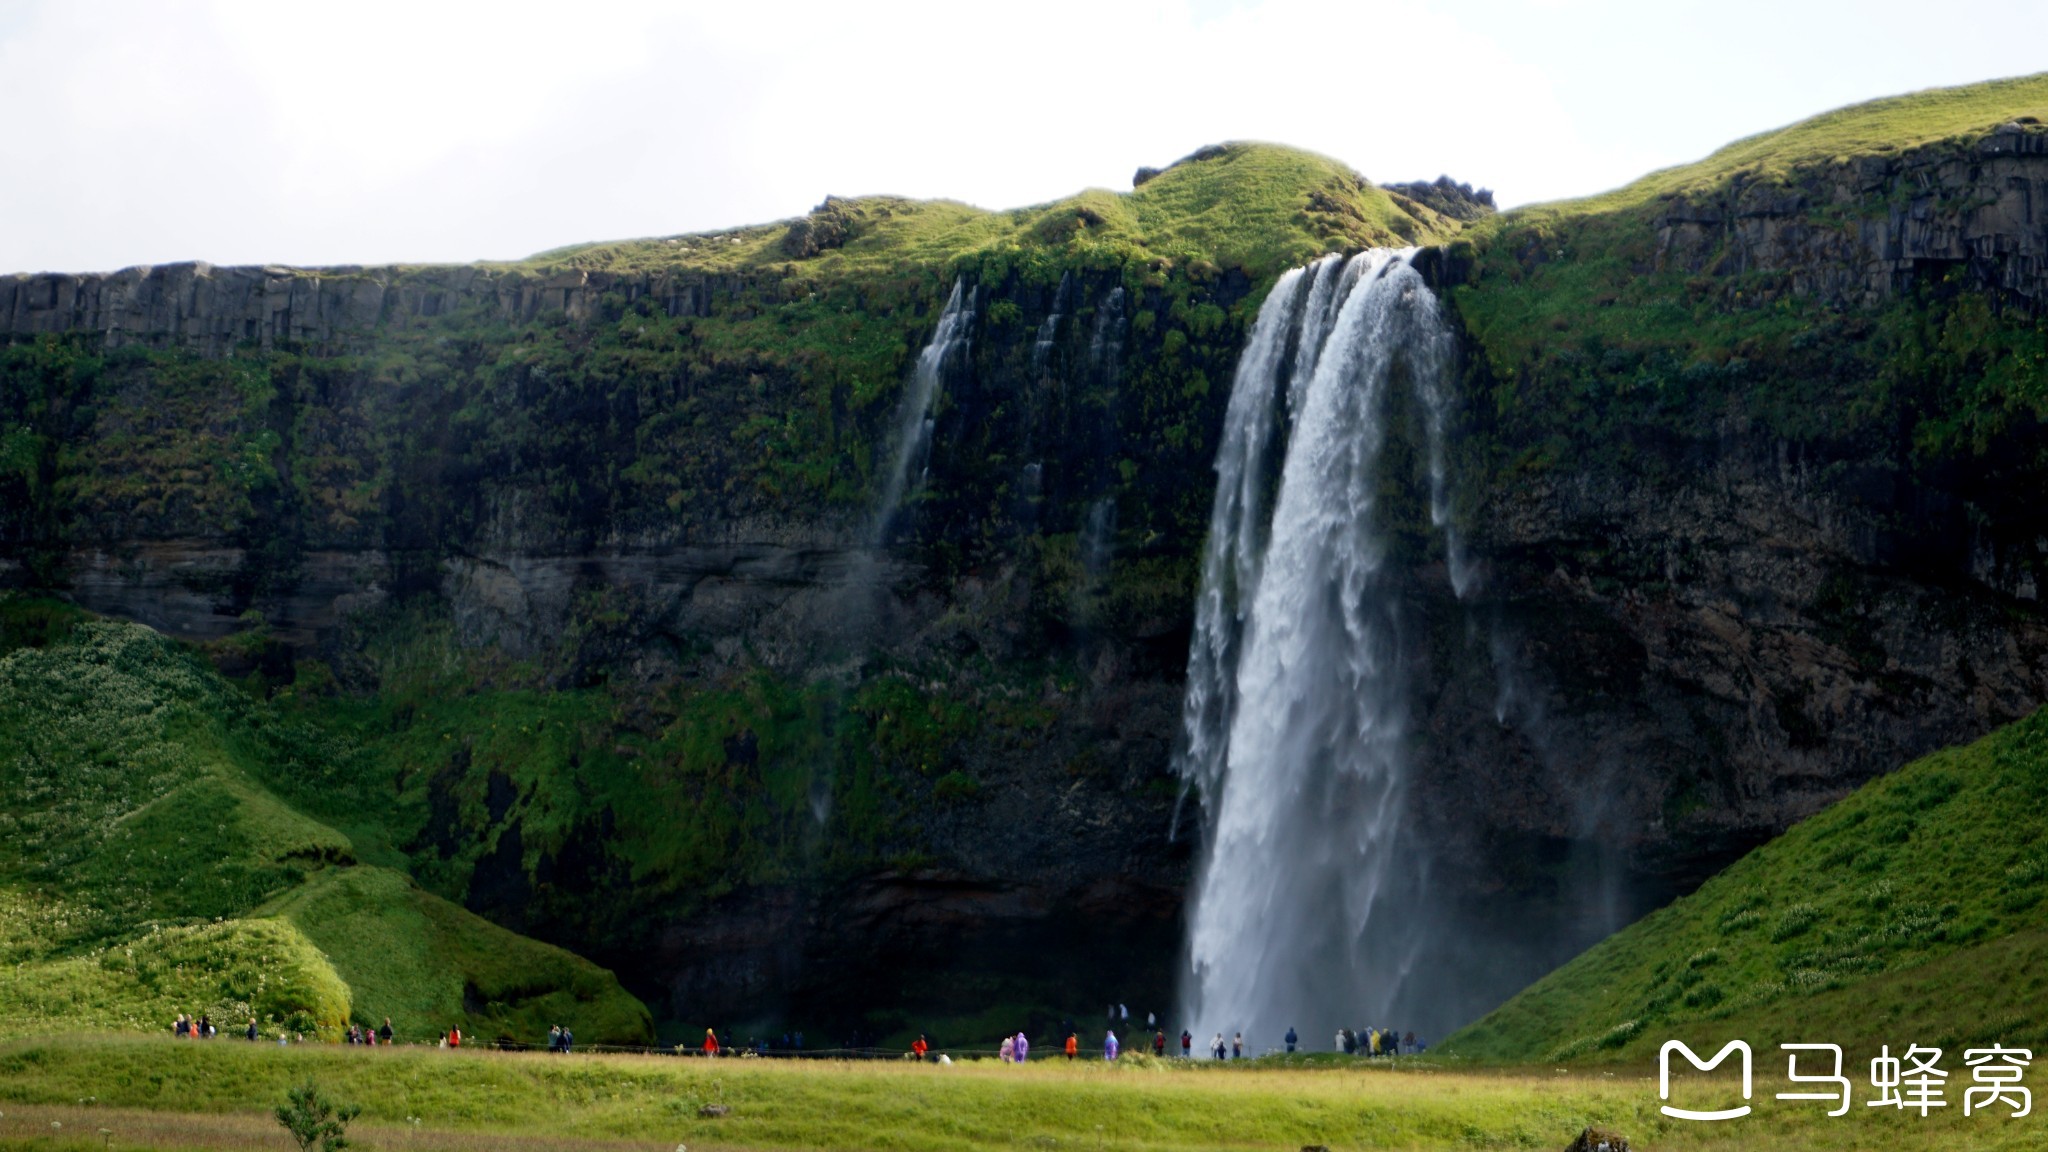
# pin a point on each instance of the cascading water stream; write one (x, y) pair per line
(1307, 909)
(914, 416)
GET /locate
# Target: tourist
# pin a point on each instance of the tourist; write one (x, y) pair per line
(1159, 1044)
(555, 1038)
(918, 1047)
(180, 1028)
(1109, 1046)
(1073, 1045)
(710, 1042)
(1409, 1040)
(1151, 1021)
(1217, 1046)
(1237, 1046)
(454, 1037)
(252, 1030)
(1023, 1048)
(1008, 1052)
(1187, 1044)
(384, 1033)
(1344, 1041)
(1291, 1040)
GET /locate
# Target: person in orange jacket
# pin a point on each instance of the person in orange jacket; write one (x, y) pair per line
(455, 1037)
(919, 1048)
(710, 1042)
(1073, 1045)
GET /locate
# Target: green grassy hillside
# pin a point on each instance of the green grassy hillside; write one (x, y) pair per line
(1874, 127)
(1911, 912)
(1258, 207)
(144, 870)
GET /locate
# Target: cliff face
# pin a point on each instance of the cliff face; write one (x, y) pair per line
(1862, 231)
(211, 311)
(957, 735)
(1748, 472)
(1758, 523)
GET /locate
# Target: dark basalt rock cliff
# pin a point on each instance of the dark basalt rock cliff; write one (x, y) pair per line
(1706, 610)
(1862, 231)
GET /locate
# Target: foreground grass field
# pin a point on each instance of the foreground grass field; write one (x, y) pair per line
(162, 1093)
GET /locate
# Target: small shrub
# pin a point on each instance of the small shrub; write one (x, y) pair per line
(956, 785)
(312, 1118)
(1704, 996)
(1796, 920)
(1619, 1035)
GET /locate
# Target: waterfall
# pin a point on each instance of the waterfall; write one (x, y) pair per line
(913, 441)
(1106, 346)
(1307, 912)
(1041, 348)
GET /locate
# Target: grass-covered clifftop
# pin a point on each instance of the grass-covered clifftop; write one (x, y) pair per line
(1911, 912)
(1260, 208)
(145, 870)
(1858, 278)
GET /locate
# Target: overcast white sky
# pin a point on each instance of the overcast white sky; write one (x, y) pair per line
(244, 131)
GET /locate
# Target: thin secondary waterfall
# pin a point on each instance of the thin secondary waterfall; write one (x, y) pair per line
(1307, 911)
(913, 442)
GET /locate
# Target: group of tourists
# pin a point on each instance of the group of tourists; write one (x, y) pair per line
(1372, 1042)
(1364, 1042)
(186, 1028)
(357, 1033)
(1217, 1048)
(560, 1039)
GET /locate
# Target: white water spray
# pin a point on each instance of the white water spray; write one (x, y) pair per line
(1307, 912)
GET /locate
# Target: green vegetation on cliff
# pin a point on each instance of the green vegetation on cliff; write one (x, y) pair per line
(1837, 285)
(1260, 208)
(145, 870)
(1882, 127)
(1914, 911)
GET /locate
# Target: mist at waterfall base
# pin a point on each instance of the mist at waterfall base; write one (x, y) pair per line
(1331, 569)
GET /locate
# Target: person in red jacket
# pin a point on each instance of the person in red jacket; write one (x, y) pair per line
(455, 1037)
(1159, 1044)
(710, 1042)
(919, 1048)
(1073, 1045)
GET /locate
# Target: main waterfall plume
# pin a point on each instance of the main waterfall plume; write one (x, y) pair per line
(1309, 911)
